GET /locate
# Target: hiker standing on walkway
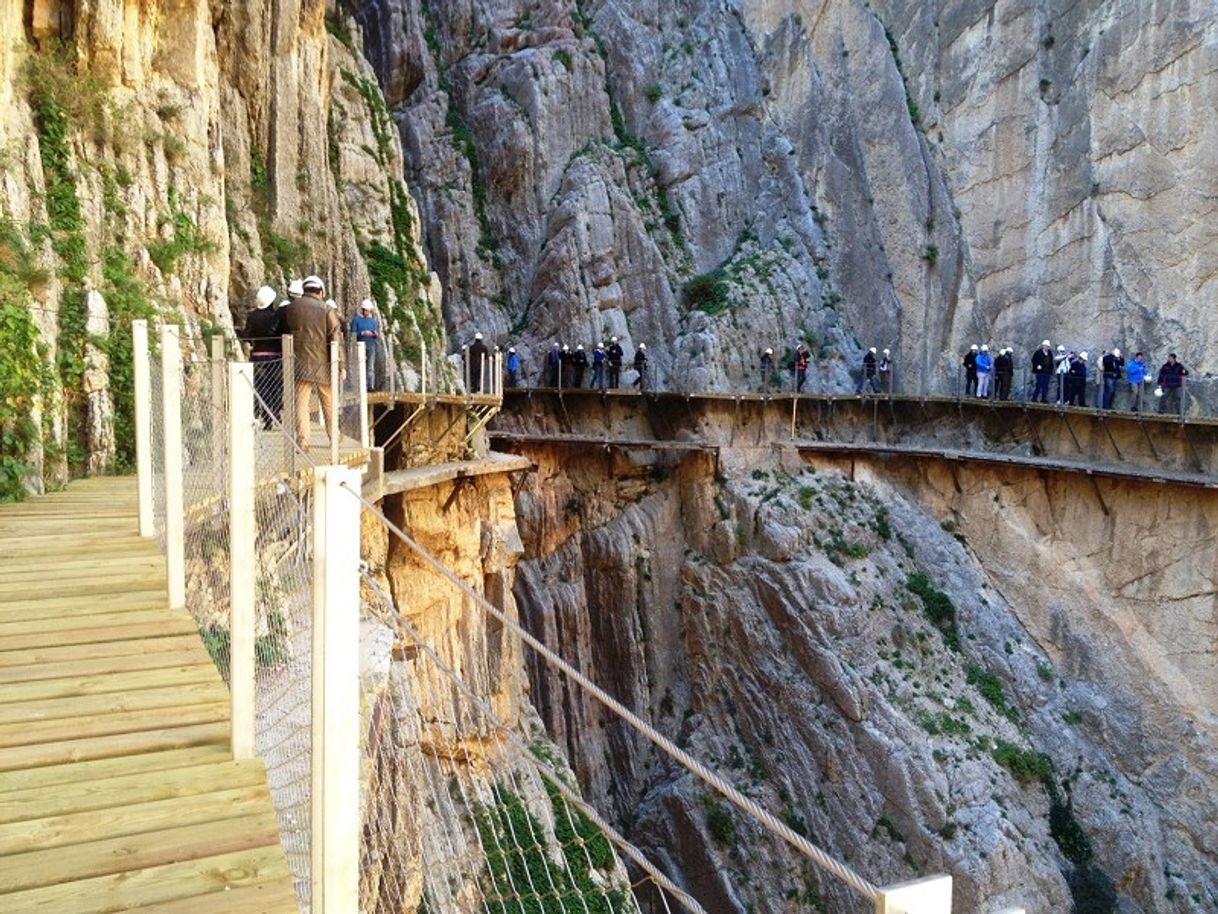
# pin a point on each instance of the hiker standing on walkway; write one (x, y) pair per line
(614, 356)
(264, 334)
(1171, 382)
(1061, 366)
(1042, 370)
(867, 375)
(767, 369)
(1137, 374)
(513, 366)
(598, 366)
(1112, 366)
(800, 363)
(885, 368)
(553, 364)
(366, 330)
(984, 365)
(580, 362)
(1076, 381)
(970, 371)
(564, 366)
(640, 365)
(1004, 371)
(478, 358)
(314, 326)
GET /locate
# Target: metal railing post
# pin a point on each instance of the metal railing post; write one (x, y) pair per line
(361, 365)
(1183, 398)
(391, 366)
(423, 367)
(465, 367)
(242, 547)
(336, 717)
(218, 381)
(143, 425)
(289, 404)
(932, 895)
(330, 421)
(171, 423)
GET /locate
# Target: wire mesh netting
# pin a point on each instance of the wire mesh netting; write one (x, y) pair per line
(157, 443)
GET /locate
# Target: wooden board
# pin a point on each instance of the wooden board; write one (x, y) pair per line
(277, 897)
(153, 764)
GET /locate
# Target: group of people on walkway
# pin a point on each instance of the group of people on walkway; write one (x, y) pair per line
(566, 368)
(1072, 371)
(313, 323)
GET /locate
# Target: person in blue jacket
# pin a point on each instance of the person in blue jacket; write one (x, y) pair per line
(513, 366)
(984, 367)
(1137, 374)
(365, 329)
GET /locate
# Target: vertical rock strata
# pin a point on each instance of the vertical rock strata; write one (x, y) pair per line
(166, 160)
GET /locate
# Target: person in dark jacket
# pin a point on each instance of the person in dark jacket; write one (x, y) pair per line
(1004, 371)
(598, 367)
(867, 376)
(614, 356)
(314, 327)
(800, 363)
(640, 365)
(479, 358)
(1171, 383)
(1076, 381)
(767, 369)
(564, 366)
(1112, 367)
(885, 368)
(1042, 371)
(579, 362)
(970, 371)
(553, 365)
(263, 334)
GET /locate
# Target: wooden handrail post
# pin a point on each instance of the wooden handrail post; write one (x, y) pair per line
(143, 425)
(932, 895)
(361, 366)
(336, 718)
(289, 404)
(330, 418)
(171, 424)
(242, 533)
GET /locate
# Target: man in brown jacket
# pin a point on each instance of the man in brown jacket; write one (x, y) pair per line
(314, 326)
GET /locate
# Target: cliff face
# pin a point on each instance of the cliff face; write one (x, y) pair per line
(168, 159)
(712, 178)
(893, 687)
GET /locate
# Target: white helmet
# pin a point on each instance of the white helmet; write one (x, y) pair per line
(886, 352)
(566, 348)
(985, 348)
(556, 346)
(613, 339)
(769, 351)
(1116, 352)
(642, 345)
(265, 297)
(1083, 355)
(1061, 348)
(1045, 343)
(367, 305)
(973, 347)
(511, 348)
(872, 350)
(313, 283)
(477, 336)
(295, 288)
(580, 346)
(331, 304)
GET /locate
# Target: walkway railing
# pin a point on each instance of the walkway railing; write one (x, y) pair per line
(263, 548)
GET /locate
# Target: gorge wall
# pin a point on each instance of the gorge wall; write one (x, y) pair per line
(1001, 675)
(712, 177)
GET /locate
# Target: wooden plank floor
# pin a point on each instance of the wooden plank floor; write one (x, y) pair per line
(117, 788)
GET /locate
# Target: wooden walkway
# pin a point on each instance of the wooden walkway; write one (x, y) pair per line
(117, 788)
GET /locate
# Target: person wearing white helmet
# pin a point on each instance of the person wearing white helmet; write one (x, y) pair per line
(1004, 371)
(867, 373)
(1112, 367)
(1076, 380)
(479, 360)
(885, 369)
(564, 365)
(263, 334)
(579, 361)
(1061, 366)
(598, 366)
(613, 358)
(366, 329)
(767, 369)
(640, 365)
(970, 371)
(295, 289)
(513, 366)
(800, 362)
(1042, 371)
(985, 367)
(554, 364)
(314, 327)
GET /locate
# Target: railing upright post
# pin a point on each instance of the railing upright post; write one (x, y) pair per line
(465, 368)
(330, 421)
(242, 536)
(336, 717)
(143, 425)
(392, 366)
(423, 367)
(289, 404)
(171, 420)
(218, 382)
(931, 895)
(361, 366)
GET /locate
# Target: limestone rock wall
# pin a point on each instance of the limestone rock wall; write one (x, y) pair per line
(166, 160)
(769, 614)
(911, 175)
